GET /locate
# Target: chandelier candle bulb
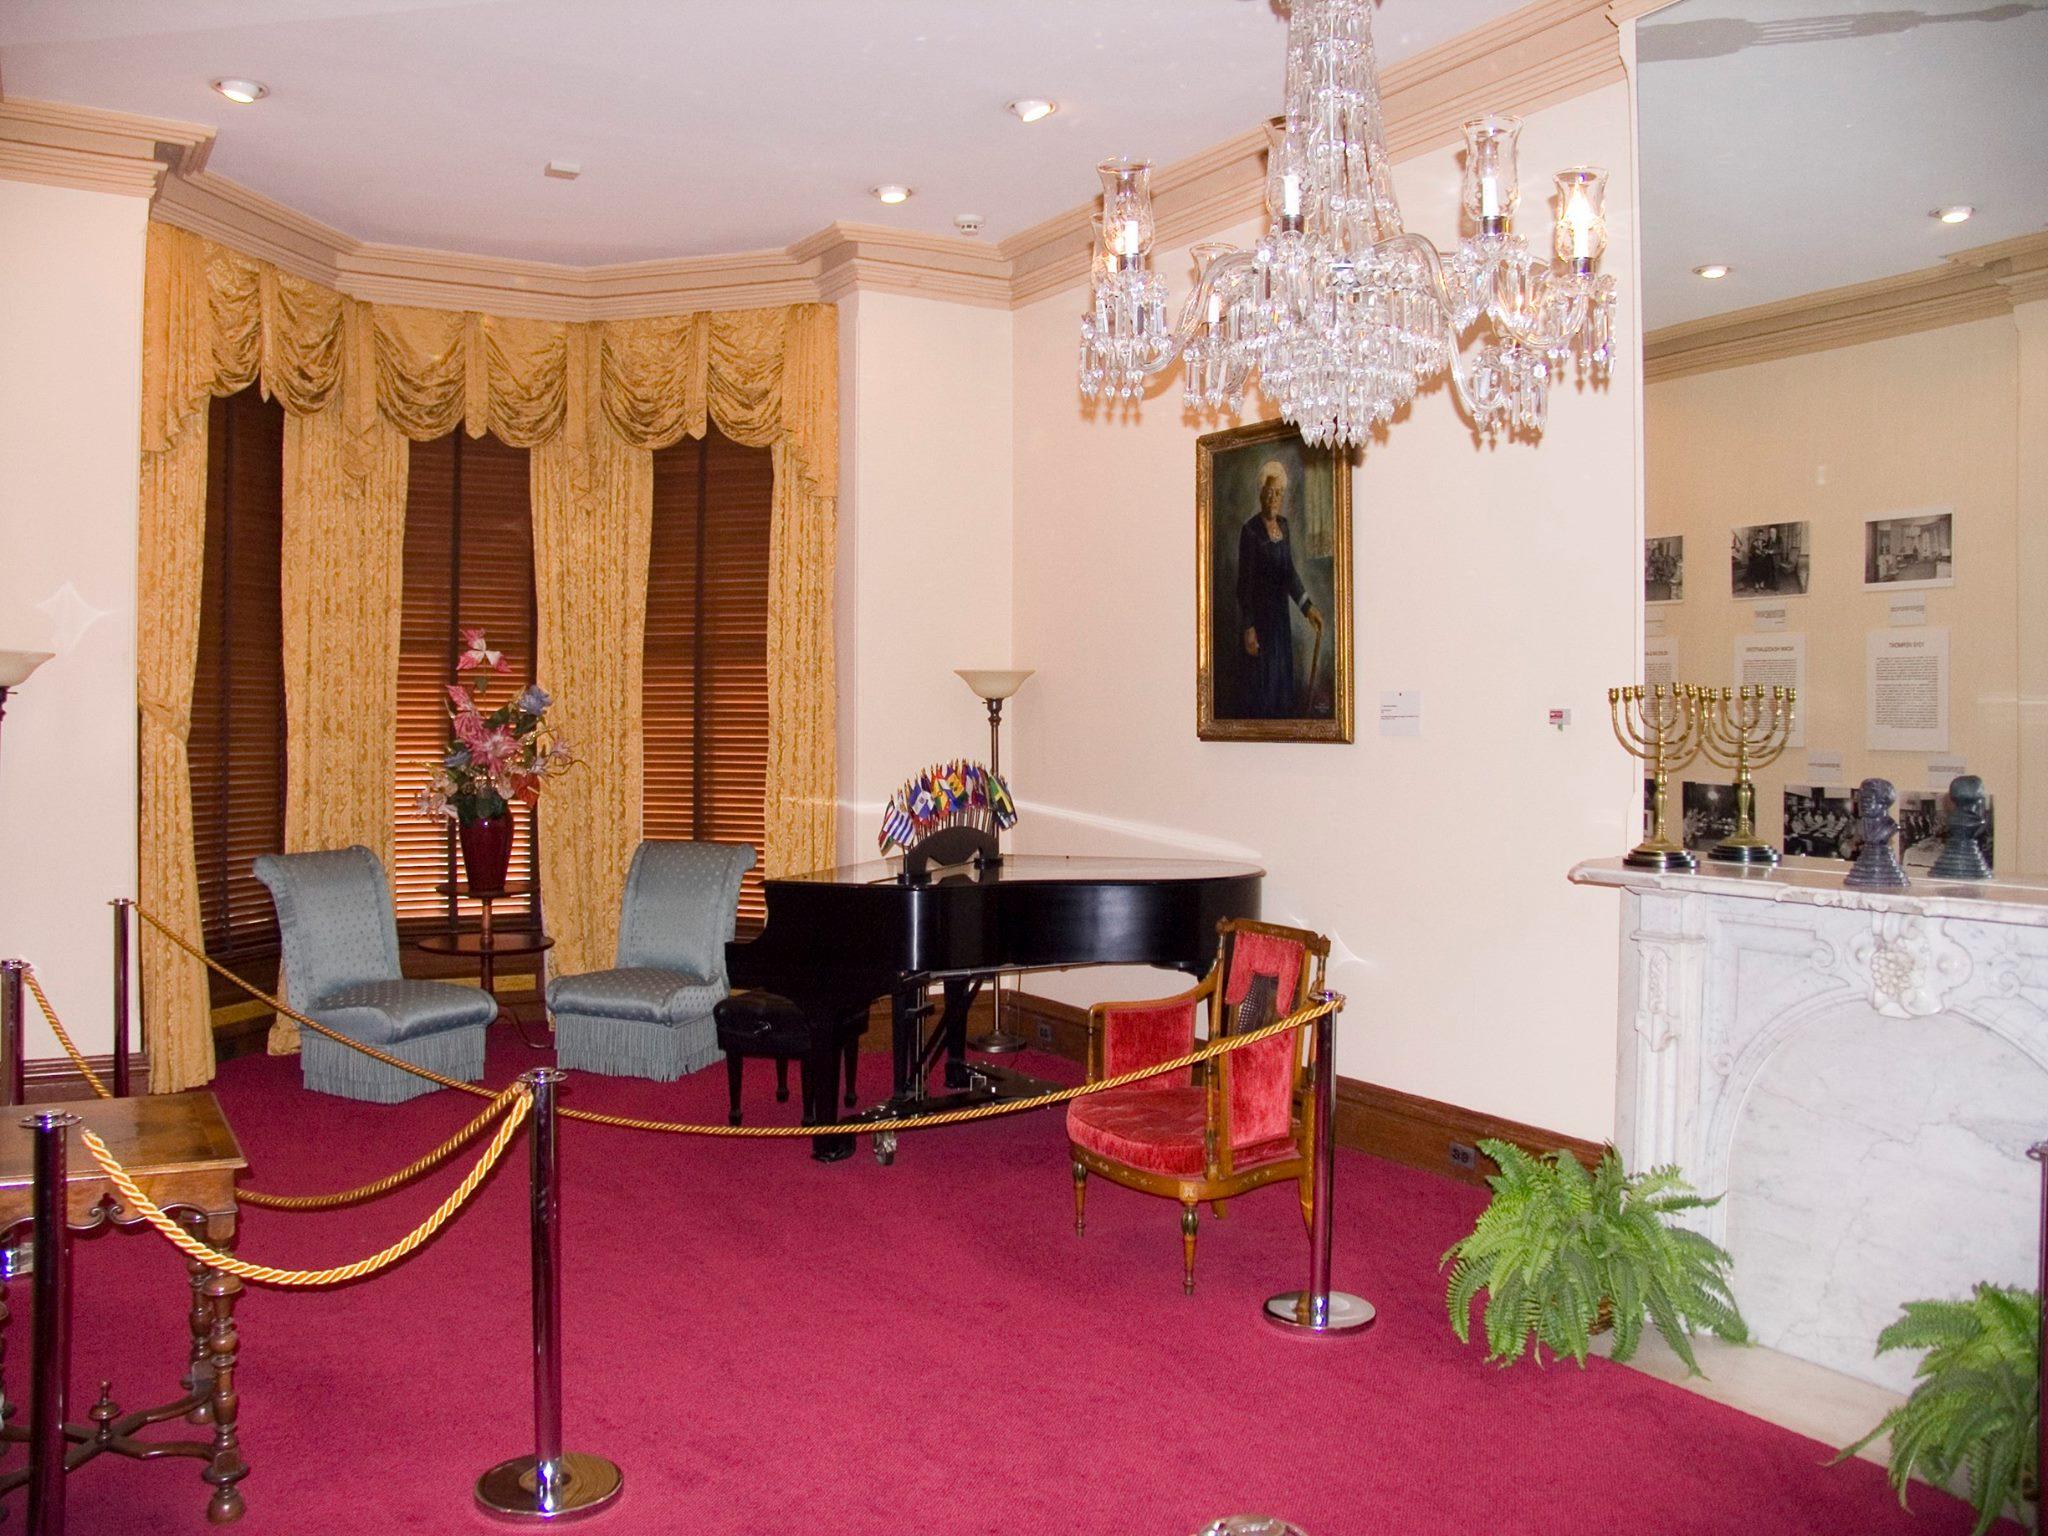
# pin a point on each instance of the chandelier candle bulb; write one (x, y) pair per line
(1343, 314)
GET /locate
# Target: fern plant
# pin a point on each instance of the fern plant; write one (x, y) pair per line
(1977, 1408)
(1557, 1243)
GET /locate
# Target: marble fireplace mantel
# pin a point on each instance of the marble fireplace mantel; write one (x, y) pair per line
(1860, 1072)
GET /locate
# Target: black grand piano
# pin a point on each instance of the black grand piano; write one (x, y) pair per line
(837, 940)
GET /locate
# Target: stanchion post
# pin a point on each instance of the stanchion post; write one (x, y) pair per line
(1320, 1312)
(51, 1365)
(123, 907)
(13, 1071)
(2039, 1153)
(551, 1484)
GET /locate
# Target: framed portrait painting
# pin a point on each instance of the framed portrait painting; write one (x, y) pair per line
(1272, 587)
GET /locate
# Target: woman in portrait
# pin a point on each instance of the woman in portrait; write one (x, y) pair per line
(1267, 584)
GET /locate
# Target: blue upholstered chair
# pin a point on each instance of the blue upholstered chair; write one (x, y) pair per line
(650, 1015)
(341, 968)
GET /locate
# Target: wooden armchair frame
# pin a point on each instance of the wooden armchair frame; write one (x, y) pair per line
(1220, 1180)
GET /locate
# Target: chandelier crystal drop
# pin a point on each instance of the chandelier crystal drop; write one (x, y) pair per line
(1342, 313)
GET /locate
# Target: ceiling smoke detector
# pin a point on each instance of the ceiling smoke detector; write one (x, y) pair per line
(969, 224)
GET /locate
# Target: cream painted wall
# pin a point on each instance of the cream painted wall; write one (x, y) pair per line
(1498, 580)
(70, 404)
(925, 534)
(1830, 438)
(2031, 323)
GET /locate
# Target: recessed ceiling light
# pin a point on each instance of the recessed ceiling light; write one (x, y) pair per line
(1712, 271)
(1031, 109)
(1955, 213)
(242, 92)
(889, 192)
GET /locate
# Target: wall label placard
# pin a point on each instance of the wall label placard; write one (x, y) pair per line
(1775, 661)
(1905, 690)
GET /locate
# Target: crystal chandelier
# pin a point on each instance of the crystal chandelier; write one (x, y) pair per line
(1342, 313)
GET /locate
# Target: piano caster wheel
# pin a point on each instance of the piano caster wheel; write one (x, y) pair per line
(885, 1147)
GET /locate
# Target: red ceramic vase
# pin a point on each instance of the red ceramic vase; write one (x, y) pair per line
(486, 852)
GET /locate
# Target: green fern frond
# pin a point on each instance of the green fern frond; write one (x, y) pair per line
(1977, 1408)
(1558, 1240)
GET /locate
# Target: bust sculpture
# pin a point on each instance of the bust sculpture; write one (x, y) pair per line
(1962, 858)
(1877, 864)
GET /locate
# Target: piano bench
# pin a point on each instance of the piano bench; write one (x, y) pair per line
(768, 1024)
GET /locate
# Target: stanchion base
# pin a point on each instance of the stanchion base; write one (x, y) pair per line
(1347, 1314)
(511, 1492)
(998, 1042)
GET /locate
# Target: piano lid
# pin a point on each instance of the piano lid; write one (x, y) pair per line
(1036, 869)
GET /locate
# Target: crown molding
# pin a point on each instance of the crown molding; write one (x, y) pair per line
(1531, 58)
(66, 146)
(1979, 284)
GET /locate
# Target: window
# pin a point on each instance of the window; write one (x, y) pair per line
(468, 565)
(704, 692)
(236, 748)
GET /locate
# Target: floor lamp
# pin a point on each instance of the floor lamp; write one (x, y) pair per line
(15, 667)
(993, 686)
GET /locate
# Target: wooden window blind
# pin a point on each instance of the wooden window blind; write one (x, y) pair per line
(468, 565)
(704, 693)
(236, 748)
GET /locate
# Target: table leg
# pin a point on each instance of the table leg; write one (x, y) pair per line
(199, 1368)
(223, 1344)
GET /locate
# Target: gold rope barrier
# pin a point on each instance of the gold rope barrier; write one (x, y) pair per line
(370, 1191)
(390, 1181)
(1215, 1048)
(264, 1274)
(28, 974)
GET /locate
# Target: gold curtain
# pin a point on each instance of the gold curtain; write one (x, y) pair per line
(343, 563)
(592, 518)
(595, 397)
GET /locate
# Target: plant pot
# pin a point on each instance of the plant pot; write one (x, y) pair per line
(486, 852)
(1604, 1318)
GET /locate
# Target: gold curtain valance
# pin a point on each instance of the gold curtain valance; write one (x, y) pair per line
(225, 320)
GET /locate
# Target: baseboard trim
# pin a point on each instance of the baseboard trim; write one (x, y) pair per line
(1401, 1127)
(54, 1080)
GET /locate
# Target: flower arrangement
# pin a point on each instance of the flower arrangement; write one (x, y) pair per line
(955, 794)
(496, 758)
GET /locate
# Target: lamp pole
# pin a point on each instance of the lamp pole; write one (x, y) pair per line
(992, 686)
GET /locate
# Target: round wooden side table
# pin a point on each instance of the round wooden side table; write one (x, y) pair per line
(490, 944)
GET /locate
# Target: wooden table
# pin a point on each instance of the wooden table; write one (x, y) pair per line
(491, 944)
(185, 1157)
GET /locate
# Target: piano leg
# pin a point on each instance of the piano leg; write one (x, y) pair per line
(960, 994)
(906, 1036)
(818, 1081)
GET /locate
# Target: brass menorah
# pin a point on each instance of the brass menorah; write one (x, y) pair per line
(1661, 726)
(1742, 729)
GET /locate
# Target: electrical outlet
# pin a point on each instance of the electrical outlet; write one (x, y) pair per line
(1463, 1156)
(1044, 1032)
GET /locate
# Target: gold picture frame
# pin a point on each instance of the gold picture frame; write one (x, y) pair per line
(1242, 686)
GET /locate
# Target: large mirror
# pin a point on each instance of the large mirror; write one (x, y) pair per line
(1845, 294)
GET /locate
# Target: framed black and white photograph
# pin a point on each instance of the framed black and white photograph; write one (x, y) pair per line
(1664, 569)
(1770, 560)
(1910, 549)
(1272, 587)
(1923, 828)
(1820, 821)
(1709, 814)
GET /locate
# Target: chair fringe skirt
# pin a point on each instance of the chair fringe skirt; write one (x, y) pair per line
(660, 1053)
(327, 1066)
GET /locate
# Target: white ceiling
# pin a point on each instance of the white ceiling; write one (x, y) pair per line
(702, 126)
(1804, 142)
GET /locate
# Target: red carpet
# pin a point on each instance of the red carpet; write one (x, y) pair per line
(769, 1345)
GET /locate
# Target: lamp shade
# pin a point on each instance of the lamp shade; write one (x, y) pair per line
(15, 666)
(989, 683)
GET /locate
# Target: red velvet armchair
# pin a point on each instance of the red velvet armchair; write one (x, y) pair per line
(1229, 1126)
